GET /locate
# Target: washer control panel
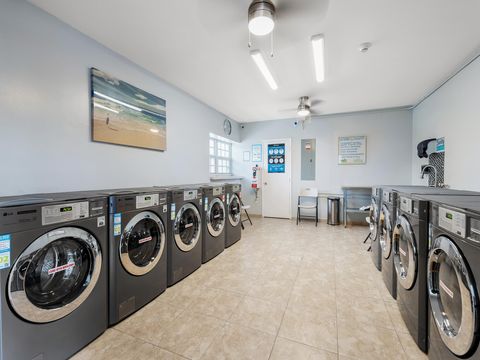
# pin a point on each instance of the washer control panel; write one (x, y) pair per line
(452, 221)
(189, 195)
(406, 205)
(147, 200)
(54, 214)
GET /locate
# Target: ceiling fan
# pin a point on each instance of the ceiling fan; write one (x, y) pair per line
(305, 110)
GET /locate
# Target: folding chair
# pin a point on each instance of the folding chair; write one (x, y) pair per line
(245, 208)
(308, 193)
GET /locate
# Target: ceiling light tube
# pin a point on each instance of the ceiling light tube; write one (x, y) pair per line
(262, 66)
(318, 44)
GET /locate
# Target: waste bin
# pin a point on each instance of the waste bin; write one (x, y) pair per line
(333, 210)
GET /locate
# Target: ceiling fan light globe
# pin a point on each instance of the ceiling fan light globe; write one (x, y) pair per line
(303, 112)
(261, 25)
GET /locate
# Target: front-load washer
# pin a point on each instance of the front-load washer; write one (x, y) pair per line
(374, 217)
(184, 243)
(453, 276)
(411, 245)
(233, 231)
(138, 254)
(53, 273)
(388, 215)
(213, 224)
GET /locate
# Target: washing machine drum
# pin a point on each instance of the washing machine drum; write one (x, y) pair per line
(54, 275)
(405, 254)
(187, 227)
(374, 219)
(386, 243)
(216, 217)
(142, 243)
(453, 296)
(234, 210)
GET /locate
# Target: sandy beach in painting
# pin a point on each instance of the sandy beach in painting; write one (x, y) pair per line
(125, 115)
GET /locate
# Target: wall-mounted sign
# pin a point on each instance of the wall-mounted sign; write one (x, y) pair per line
(257, 153)
(440, 148)
(276, 158)
(352, 150)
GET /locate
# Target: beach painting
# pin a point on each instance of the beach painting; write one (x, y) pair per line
(125, 115)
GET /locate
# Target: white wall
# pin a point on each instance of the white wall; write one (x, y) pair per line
(45, 137)
(453, 111)
(388, 151)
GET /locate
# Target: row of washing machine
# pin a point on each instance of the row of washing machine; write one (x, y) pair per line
(426, 242)
(71, 264)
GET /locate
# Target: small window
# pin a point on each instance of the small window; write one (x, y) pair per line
(220, 157)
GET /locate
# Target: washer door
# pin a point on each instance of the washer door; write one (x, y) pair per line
(234, 210)
(187, 227)
(405, 254)
(216, 217)
(142, 243)
(386, 232)
(374, 220)
(54, 275)
(453, 296)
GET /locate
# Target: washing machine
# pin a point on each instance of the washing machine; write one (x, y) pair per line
(453, 275)
(184, 245)
(388, 216)
(138, 249)
(53, 273)
(233, 231)
(213, 224)
(410, 238)
(375, 207)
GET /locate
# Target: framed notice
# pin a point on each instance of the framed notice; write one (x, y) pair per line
(352, 150)
(257, 153)
(276, 158)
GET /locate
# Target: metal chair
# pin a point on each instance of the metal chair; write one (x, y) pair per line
(245, 208)
(308, 193)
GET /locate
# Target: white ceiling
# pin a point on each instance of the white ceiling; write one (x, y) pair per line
(200, 46)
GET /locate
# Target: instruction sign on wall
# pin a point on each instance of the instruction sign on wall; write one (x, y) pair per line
(276, 158)
(352, 150)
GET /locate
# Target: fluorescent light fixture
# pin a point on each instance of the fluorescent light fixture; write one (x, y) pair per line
(154, 130)
(318, 44)
(117, 101)
(104, 107)
(260, 62)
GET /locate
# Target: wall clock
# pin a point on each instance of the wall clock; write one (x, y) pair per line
(227, 127)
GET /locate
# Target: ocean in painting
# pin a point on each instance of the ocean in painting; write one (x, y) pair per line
(126, 115)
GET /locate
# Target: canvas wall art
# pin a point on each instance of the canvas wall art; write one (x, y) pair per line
(126, 115)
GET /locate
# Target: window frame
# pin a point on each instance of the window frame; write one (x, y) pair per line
(221, 157)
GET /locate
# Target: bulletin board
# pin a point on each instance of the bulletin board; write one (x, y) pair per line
(352, 150)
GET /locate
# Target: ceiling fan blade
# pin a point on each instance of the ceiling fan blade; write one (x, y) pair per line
(315, 102)
(223, 15)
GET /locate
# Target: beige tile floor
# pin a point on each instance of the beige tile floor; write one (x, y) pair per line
(282, 292)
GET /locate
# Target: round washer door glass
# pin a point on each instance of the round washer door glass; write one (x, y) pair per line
(216, 217)
(405, 255)
(54, 275)
(453, 296)
(373, 220)
(386, 232)
(234, 210)
(187, 227)
(142, 243)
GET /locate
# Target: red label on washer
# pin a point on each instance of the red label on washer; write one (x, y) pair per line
(61, 268)
(144, 240)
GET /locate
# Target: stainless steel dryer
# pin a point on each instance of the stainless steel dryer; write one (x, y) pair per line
(453, 274)
(184, 232)
(138, 254)
(375, 207)
(233, 231)
(213, 225)
(53, 273)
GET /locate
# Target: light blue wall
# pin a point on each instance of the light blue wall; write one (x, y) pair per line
(388, 151)
(45, 137)
(453, 111)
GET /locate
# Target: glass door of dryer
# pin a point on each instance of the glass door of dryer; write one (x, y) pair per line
(234, 210)
(405, 255)
(386, 232)
(142, 243)
(216, 217)
(453, 296)
(54, 275)
(373, 219)
(187, 227)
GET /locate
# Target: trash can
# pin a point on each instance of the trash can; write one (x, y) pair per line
(333, 210)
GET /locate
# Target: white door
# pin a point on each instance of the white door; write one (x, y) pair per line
(277, 169)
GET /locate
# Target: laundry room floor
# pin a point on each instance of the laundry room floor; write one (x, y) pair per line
(282, 292)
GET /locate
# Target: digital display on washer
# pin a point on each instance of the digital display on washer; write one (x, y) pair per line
(276, 158)
(66, 208)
